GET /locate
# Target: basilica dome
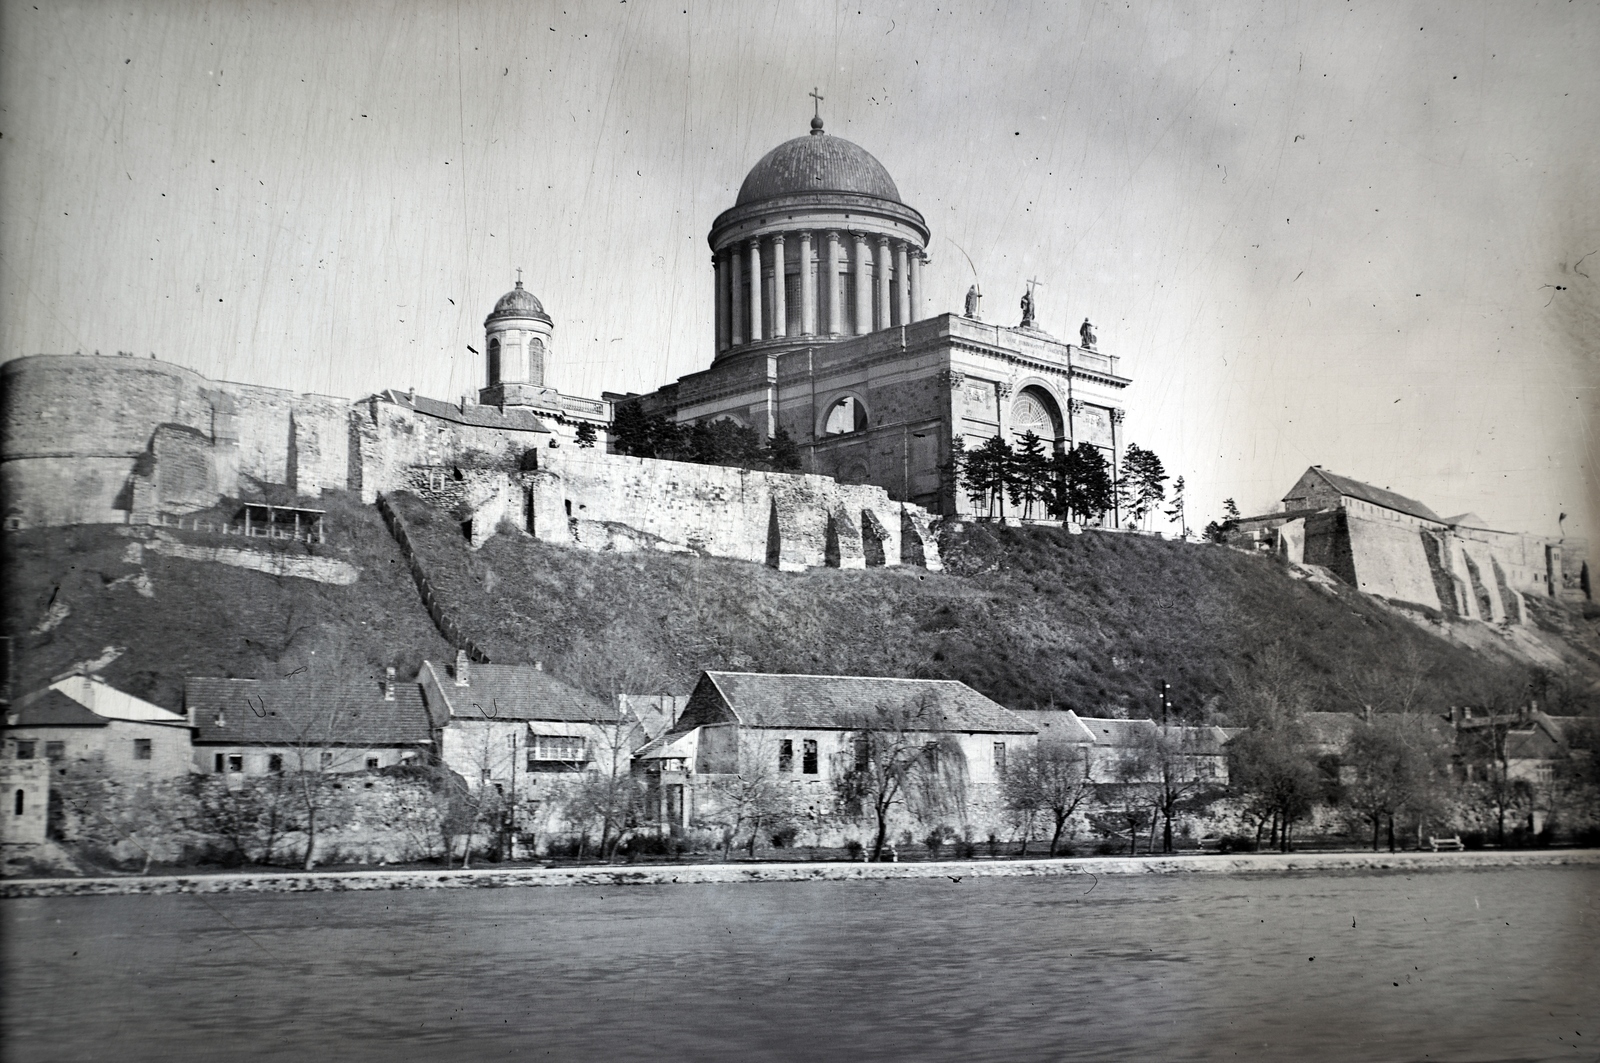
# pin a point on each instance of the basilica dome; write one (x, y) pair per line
(817, 163)
(519, 302)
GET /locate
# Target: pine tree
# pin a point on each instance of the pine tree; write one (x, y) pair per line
(1175, 508)
(1030, 473)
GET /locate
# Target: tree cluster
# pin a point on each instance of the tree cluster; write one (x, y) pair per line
(718, 442)
(1067, 485)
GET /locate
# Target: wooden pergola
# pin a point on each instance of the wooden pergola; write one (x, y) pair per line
(283, 522)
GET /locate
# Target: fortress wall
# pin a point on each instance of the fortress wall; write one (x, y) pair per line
(75, 429)
(1390, 561)
(392, 439)
(43, 492)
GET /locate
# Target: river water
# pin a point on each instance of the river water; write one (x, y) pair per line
(1440, 965)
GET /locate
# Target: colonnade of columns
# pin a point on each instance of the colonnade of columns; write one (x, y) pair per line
(846, 284)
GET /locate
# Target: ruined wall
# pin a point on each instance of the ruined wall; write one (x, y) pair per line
(785, 520)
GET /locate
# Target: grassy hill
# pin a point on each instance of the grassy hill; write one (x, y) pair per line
(72, 592)
(1030, 616)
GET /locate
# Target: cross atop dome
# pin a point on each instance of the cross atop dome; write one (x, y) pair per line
(816, 118)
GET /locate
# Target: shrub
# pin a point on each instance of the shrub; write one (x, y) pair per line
(1236, 843)
(853, 848)
(783, 837)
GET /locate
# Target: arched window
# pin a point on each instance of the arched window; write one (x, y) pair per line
(536, 361)
(845, 416)
(494, 361)
(1035, 411)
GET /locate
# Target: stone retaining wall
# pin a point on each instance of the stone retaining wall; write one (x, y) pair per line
(689, 874)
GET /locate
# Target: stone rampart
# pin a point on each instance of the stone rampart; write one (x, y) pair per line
(90, 439)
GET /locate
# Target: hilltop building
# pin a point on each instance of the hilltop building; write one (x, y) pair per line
(1395, 547)
(821, 331)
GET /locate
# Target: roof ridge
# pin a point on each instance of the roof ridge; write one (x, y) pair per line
(875, 678)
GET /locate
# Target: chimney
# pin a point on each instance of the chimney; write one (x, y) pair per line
(388, 684)
(538, 666)
(1366, 713)
(461, 668)
(1466, 712)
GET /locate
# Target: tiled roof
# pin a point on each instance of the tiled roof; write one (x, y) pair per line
(515, 418)
(510, 692)
(841, 702)
(1378, 496)
(50, 708)
(305, 711)
(1108, 732)
(1062, 725)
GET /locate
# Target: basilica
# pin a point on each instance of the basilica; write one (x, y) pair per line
(821, 331)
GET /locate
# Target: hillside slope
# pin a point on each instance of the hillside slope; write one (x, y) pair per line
(1030, 616)
(73, 592)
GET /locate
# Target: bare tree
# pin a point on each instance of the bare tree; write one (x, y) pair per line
(1396, 763)
(753, 798)
(902, 756)
(1051, 778)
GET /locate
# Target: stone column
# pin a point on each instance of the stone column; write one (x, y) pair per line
(719, 267)
(736, 333)
(830, 285)
(755, 289)
(780, 296)
(881, 312)
(861, 262)
(808, 288)
(916, 284)
(902, 278)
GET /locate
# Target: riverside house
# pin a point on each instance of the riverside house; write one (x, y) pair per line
(306, 723)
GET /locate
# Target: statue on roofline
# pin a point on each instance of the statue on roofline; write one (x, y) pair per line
(974, 298)
(1086, 334)
(1027, 308)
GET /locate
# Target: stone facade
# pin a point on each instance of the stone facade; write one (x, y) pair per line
(821, 332)
(1395, 547)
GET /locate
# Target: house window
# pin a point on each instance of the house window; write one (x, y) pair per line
(808, 762)
(560, 747)
(1544, 772)
(999, 758)
(236, 763)
(141, 749)
(863, 754)
(372, 763)
(25, 748)
(218, 764)
(19, 803)
(408, 758)
(786, 755)
(327, 760)
(275, 763)
(55, 750)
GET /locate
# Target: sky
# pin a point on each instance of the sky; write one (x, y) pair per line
(1355, 234)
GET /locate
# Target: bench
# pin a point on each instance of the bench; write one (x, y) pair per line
(1453, 842)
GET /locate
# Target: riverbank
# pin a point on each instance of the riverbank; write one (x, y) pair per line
(667, 874)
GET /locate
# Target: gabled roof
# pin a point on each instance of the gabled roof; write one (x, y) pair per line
(514, 418)
(842, 702)
(1378, 496)
(50, 708)
(1109, 732)
(306, 711)
(509, 692)
(86, 701)
(1058, 725)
